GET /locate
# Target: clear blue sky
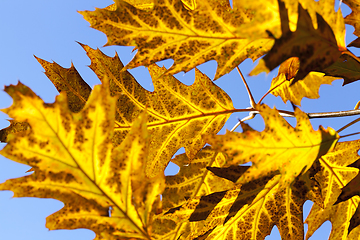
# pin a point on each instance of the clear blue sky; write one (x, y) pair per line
(49, 29)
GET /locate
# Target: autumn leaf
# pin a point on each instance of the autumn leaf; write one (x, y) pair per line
(65, 80)
(103, 188)
(353, 17)
(316, 48)
(280, 147)
(68, 80)
(178, 114)
(211, 31)
(251, 210)
(283, 85)
(13, 128)
(194, 179)
(334, 175)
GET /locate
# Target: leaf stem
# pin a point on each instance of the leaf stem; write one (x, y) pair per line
(348, 125)
(267, 93)
(351, 134)
(252, 101)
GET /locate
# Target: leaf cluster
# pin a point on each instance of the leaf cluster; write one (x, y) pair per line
(103, 151)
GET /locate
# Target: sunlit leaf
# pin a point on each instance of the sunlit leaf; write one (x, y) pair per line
(70, 81)
(194, 179)
(284, 87)
(13, 128)
(103, 188)
(211, 31)
(334, 175)
(178, 114)
(280, 147)
(250, 211)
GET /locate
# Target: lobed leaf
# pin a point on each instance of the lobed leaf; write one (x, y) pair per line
(283, 84)
(250, 211)
(280, 147)
(178, 114)
(316, 48)
(13, 128)
(211, 31)
(103, 188)
(333, 176)
(194, 179)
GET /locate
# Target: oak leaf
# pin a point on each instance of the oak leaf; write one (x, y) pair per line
(103, 188)
(65, 80)
(353, 17)
(194, 179)
(251, 210)
(178, 114)
(280, 147)
(282, 85)
(68, 80)
(13, 128)
(316, 48)
(335, 174)
(211, 31)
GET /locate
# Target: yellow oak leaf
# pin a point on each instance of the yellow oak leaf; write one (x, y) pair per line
(65, 80)
(68, 80)
(316, 48)
(194, 179)
(280, 147)
(250, 211)
(13, 128)
(104, 189)
(211, 31)
(335, 174)
(178, 114)
(283, 85)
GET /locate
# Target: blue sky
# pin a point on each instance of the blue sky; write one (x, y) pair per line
(49, 30)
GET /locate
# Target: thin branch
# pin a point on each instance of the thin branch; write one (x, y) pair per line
(252, 101)
(253, 112)
(334, 114)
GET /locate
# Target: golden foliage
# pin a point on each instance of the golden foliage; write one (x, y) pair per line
(74, 161)
(178, 114)
(191, 37)
(283, 84)
(279, 148)
(334, 176)
(103, 151)
(195, 179)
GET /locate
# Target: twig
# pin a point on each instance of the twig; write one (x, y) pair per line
(334, 114)
(252, 101)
